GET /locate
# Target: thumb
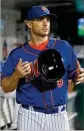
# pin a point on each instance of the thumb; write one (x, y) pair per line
(20, 61)
(79, 66)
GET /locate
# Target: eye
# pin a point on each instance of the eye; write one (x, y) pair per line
(48, 19)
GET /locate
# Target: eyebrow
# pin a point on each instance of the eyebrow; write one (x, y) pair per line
(43, 17)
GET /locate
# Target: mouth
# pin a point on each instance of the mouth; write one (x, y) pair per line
(45, 29)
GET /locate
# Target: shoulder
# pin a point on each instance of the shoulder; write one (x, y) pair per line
(64, 44)
(17, 50)
(60, 41)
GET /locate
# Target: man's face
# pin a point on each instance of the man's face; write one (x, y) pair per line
(41, 26)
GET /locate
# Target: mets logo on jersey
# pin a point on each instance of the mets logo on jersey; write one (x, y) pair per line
(35, 73)
(60, 83)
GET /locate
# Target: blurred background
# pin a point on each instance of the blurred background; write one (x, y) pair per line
(68, 26)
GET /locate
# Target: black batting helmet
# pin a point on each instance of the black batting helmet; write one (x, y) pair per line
(50, 65)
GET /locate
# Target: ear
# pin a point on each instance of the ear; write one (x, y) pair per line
(28, 23)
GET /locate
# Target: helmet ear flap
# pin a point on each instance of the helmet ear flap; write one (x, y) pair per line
(50, 65)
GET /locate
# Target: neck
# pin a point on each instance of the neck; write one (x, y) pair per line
(38, 40)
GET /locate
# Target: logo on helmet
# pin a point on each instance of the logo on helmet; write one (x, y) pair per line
(43, 8)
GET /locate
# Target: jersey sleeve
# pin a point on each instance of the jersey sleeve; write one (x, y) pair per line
(72, 60)
(8, 67)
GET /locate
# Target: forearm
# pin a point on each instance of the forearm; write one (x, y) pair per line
(10, 83)
(71, 85)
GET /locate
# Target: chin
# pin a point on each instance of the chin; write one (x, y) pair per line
(45, 34)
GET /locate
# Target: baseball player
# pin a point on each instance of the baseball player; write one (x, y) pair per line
(40, 109)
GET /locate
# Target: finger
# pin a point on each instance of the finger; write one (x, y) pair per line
(20, 61)
(79, 79)
(26, 72)
(77, 83)
(82, 70)
(28, 69)
(23, 73)
(78, 65)
(79, 68)
(24, 63)
(80, 75)
(26, 66)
